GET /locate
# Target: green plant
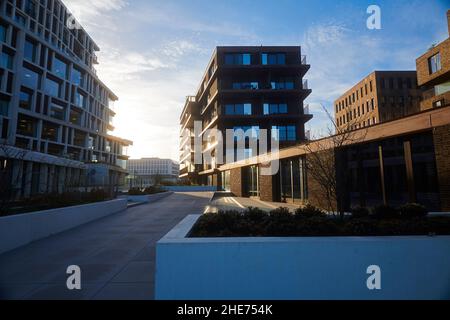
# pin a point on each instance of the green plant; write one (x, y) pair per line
(360, 212)
(413, 210)
(385, 212)
(153, 190)
(309, 211)
(136, 192)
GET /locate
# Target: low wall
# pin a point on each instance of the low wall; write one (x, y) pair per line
(22, 229)
(191, 188)
(149, 197)
(332, 268)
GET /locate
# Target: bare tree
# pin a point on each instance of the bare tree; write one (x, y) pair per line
(324, 161)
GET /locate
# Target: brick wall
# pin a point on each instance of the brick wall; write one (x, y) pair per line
(236, 185)
(266, 191)
(441, 137)
(423, 69)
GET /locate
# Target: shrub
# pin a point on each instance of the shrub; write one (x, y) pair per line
(360, 212)
(413, 210)
(255, 215)
(385, 212)
(135, 192)
(309, 211)
(152, 190)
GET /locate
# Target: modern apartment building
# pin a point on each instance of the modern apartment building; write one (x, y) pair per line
(381, 96)
(146, 172)
(433, 73)
(55, 113)
(248, 88)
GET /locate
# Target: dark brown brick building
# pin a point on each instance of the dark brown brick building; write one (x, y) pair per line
(433, 73)
(248, 88)
(381, 96)
(396, 162)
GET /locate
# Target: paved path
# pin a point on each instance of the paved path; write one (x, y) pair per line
(227, 202)
(116, 254)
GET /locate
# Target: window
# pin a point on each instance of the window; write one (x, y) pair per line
(238, 59)
(25, 100)
(2, 33)
(77, 77)
(284, 133)
(273, 58)
(52, 87)
(434, 63)
(282, 84)
(30, 8)
(30, 78)
(30, 51)
(75, 117)
(80, 100)
(238, 109)
(50, 131)
(4, 107)
(57, 111)
(26, 126)
(245, 85)
(6, 60)
(274, 108)
(59, 68)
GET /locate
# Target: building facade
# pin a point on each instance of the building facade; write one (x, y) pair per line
(381, 96)
(433, 73)
(248, 89)
(147, 172)
(396, 162)
(55, 113)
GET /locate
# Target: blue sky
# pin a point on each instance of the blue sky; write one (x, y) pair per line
(153, 53)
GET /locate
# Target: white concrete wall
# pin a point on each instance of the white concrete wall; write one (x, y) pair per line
(22, 229)
(149, 198)
(300, 268)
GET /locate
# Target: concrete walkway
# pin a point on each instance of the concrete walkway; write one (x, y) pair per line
(116, 254)
(227, 202)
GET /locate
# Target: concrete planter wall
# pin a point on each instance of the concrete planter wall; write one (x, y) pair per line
(19, 230)
(300, 268)
(149, 197)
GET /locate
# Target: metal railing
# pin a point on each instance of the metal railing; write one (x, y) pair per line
(303, 59)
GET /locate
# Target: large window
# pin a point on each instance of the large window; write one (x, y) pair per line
(238, 109)
(275, 108)
(50, 131)
(284, 133)
(273, 58)
(30, 78)
(282, 84)
(6, 60)
(30, 8)
(77, 77)
(25, 99)
(57, 111)
(246, 85)
(75, 117)
(59, 68)
(80, 100)
(434, 63)
(26, 126)
(2, 33)
(30, 51)
(4, 107)
(238, 59)
(52, 88)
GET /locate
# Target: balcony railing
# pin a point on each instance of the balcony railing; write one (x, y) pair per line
(303, 59)
(306, 109)
(305, 84)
